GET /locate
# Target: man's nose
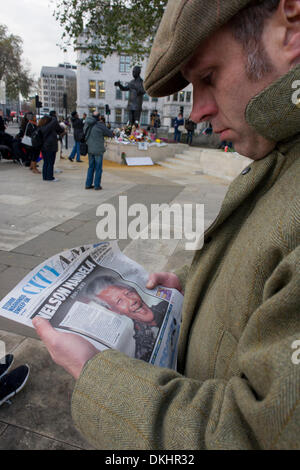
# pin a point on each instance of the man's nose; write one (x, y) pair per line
(204, 105)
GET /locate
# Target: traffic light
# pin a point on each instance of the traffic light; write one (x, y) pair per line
(38, 103)
(65, 101)
(107, 110)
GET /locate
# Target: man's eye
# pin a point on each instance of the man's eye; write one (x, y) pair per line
(207, 79)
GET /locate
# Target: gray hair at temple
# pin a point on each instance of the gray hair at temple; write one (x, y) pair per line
(247, 28)
(101, 283)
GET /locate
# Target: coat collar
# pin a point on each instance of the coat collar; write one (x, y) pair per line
(275, 112)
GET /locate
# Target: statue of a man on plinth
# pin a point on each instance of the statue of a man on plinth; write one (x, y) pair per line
(136, 94)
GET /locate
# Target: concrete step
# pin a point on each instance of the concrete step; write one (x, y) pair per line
(225, 165)
(171, 166)
(184, 163)
(196, 153)
(187, 158)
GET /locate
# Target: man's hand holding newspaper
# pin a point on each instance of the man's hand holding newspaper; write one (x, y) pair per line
(68, 350)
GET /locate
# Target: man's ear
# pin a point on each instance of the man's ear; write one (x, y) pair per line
(290, 11)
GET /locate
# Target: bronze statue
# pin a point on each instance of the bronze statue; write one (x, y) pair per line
(136, 93)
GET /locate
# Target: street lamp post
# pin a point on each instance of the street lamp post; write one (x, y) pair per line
(65, 104)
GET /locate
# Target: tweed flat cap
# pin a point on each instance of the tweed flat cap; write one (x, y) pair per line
(184, 25)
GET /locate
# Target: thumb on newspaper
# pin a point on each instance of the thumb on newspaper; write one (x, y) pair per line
(43, 329)
(68, 350)
(165, 279)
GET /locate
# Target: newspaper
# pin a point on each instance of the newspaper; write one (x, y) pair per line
(99, 293)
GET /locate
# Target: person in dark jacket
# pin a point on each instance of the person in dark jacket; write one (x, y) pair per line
(190, 127)
(50, 129)
(178, 121)
(95, 130)
(77, 125)
(28, 126)
(2, 124)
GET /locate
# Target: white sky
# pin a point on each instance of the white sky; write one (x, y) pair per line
(33, 21)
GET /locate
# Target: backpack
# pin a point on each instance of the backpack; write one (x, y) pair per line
(83, 144)
(37, 138)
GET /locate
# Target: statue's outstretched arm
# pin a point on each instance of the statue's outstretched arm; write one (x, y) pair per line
(122, 87)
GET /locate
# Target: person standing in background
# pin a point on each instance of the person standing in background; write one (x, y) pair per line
(95, 130)
(77, 125)
(50, 129)
(28, 126)
(178, 121)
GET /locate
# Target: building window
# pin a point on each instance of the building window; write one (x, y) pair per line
(175, 97)
(181, 96)
(126, 115)
(118, 94)
(118, 115)
(146, 97)
(92, 87)
(188, 96)
(144, 118)
(126, 93)
(168, 98)
(125, 63)
(101, 110)
(92, 109)
(101, 89)
(154, 100)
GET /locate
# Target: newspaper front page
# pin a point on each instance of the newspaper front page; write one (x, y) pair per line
(99, 293)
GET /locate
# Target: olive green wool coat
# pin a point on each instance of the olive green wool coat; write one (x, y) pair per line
(237, 386)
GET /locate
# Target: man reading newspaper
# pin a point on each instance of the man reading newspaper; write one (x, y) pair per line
(236, 385)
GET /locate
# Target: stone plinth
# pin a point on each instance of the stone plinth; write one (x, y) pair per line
(114, 151)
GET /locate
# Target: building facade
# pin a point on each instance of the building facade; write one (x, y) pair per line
(96, 89)
(54, 83)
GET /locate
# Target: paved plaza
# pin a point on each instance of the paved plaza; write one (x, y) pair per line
(39, 219)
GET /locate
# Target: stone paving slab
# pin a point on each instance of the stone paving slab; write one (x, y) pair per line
(43, 406)
(10, 277)
(16, 438)
(11, 258)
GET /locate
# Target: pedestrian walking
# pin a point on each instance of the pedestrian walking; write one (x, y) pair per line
(64, 127)
(190, 127)
(155, 122)
(50, 129)
(95, 130)
(77, 125)
(178, 127)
